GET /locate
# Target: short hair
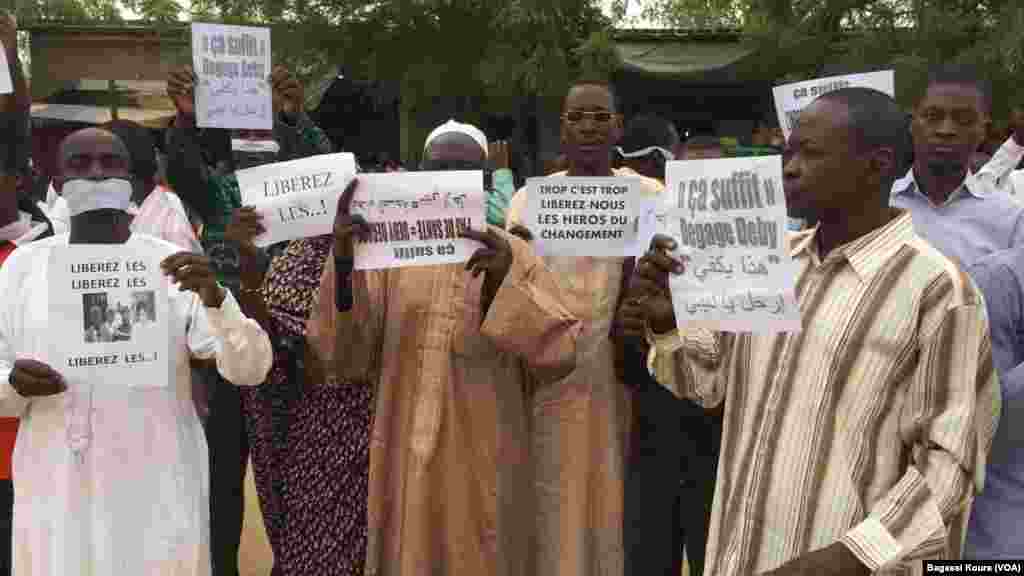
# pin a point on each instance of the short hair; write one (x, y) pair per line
(649, 130)
(961, 75)
(140, 144)
(875, 120)
(704, 141)
(592, 81)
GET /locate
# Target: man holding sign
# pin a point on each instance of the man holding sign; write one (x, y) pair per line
(449, 356)
(113, 470)
(581, 422)
(855, 445)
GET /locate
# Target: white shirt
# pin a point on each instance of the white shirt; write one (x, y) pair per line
(137, 502)
(1000, 171)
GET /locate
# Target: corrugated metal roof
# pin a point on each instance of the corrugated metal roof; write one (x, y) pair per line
(96, 115)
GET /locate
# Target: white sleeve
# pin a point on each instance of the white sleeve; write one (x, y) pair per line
(998, 168)
(241, 347)
(12, 404)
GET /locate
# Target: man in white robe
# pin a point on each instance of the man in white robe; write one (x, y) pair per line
(113, 475)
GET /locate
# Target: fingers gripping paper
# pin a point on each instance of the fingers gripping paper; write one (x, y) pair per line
(728, 218)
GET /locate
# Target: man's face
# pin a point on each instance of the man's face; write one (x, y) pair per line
(96, 315)
(110, 315)
(948, 126)
(590, 125)
(92, 155)
(821, 170)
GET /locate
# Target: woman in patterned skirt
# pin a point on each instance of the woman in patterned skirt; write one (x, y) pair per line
(308, 434)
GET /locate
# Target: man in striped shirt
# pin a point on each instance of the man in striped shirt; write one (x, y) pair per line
(857, 444)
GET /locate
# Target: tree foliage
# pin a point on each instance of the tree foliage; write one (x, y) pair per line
(798, 39)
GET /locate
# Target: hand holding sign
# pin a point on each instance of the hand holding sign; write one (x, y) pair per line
(649, 290)
(346, 226)
(35, 379)
(195, 273)
(245, 225)
(181, 87)
(494, 259)
(287, 92)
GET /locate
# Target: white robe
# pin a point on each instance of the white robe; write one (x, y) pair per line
(137, 501)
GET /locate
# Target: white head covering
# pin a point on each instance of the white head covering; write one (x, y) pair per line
(452, 126)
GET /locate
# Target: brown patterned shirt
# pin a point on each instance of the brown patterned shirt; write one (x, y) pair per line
(870, 426)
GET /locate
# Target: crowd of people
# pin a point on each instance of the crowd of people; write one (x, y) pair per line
(524, 414)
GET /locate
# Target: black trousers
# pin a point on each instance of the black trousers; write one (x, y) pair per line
(670, 479)
(228, 451)
(6, 526)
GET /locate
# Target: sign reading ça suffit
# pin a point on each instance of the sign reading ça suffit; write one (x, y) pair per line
(728, 218)
(298, 198)
(599, 217)
(416, 218)
(232, 64)
(109, 315)
(790, 99)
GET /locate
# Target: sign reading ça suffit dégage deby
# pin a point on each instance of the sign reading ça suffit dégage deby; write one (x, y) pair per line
(728, 217)
(109, 311)
(297, 198)
(790, 99)
(603, 217)
(417, 218)
(232, 65)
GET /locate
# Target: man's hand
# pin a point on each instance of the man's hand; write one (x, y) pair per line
(346, 226)
(194, 273)
(181, 87)
(497, 153)
(245, 225)
(33, 379)
(288, 94)
(494, 260)
(522, 232)
(834, 560)
(649, 288)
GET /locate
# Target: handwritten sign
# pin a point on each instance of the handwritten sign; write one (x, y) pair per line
(299, 198)
(600, 217)
(232, 64)
(729, 219)
(790, 99)
(416, 217)
(109, 314)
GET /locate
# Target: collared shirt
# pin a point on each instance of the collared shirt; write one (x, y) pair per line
(999, 169)
(869, 427)
(995, 527)
(163, 215)
(975, 221)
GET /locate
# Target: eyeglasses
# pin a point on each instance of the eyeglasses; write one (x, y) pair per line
(577, 116)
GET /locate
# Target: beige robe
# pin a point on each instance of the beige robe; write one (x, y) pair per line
(581, 425)
(449, 490)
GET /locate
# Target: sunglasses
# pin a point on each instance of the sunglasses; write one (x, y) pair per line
(577, 116)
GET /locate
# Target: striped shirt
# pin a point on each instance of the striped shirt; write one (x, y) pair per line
(869, 427)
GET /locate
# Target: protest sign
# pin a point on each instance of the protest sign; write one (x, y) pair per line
(790, 99)
(299, 198)
(109, 314)
(232, 64)
(728, 217)
(601, 217)
(416, 217)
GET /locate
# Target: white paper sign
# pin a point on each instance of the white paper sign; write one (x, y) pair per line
(416, 217)
(232, 64)
(600, 217)
(790, 99)
(6, 85)
(729, 219)
(109, 314)
(298, 198)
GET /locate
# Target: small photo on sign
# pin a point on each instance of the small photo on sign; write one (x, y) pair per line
(115, 318)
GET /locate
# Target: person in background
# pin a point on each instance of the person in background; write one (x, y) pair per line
(856, 445)
(702, 146)
(647, 144)
(80, 508)
(1001, 169)
(581, 422)
(998, 513)
(451, 351)
(670, 477)
(962, 215)
(200, 167)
